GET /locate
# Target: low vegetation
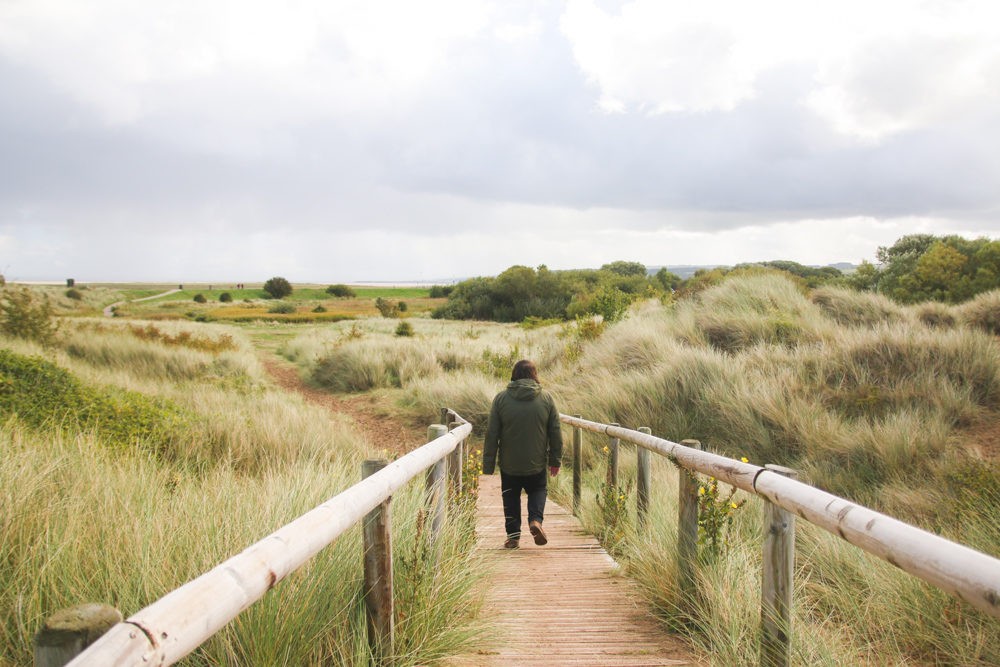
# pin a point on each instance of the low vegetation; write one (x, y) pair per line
(117, 436)
(865, 398)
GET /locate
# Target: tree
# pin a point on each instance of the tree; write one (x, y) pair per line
(340, 291)
(278, 287)
(624, 268)
(387, 308)
(669, 281)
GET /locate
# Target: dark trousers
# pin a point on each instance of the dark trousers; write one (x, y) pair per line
(510, 490)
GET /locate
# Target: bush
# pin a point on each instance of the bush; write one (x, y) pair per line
(74, 294)
(23, 316)
(340, 290)
(402, 307)
(278, 287)
(225, 297)
(42, 394)
(200, 298)
(319, 309)
(404, 329)
(441, 291)
(282, 308)
(387, 308)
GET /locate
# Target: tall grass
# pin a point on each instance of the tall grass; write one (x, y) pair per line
(865, 398)
(81, 521)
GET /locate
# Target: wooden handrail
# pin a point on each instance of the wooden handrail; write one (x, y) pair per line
(959, 570)
(176, 624)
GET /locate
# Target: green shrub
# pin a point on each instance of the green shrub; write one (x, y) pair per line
(319, 309)
(404, 329)
(340, 291)
(282, 308)
(42, 394)
(277, 287)
(200, 298)
(74, 294)
(402, 307)
(386, 307)
(24, 316)
(225, 297)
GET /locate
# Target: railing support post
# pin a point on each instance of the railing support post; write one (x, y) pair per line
(687, 532)
(577, 465)
(377, 532)
(642, 480)
(613, 461)
(67, 632)
(776, 587)
(434, 489)
(455, 461)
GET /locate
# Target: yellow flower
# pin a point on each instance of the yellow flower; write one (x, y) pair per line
(606, 450)
(621, 497)
(744, 459)
(701, 490)
(734, 506)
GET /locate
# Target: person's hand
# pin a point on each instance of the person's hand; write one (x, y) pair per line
(553, 470)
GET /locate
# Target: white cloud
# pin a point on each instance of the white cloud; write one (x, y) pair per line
(879, 68)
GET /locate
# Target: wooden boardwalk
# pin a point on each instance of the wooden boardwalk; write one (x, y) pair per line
(563, 603)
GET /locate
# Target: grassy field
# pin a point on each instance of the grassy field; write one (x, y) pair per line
(137, 456)
(893, 407)
(879, 403)
(307, 303)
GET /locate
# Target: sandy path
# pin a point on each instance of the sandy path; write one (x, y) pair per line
(109, 311)
(382, 431)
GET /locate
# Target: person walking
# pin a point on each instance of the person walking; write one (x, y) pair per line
(524, 429)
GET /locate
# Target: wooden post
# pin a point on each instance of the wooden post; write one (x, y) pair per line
(377, 532)
(577, 465)
(687, 532)
(455, 461)
(67, 632)
(444, 416)
(642, 480)
(776, 587)
(613, 461)
(434, 489)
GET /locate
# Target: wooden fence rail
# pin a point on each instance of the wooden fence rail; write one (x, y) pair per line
(176, 624)
(966, 573)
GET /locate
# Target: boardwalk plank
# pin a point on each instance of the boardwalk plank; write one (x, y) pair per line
(565, 603)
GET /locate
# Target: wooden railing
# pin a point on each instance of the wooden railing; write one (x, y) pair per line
(966, 573)
(176, 624)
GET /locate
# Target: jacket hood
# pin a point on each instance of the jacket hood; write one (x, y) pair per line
(524, 390)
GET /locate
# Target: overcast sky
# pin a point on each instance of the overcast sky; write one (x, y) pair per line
(330, 141)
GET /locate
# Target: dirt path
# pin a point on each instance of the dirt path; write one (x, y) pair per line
(109, 311)
(382, 431)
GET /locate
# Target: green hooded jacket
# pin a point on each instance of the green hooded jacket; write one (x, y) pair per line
(524, 428)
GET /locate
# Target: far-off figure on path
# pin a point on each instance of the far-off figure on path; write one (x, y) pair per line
(524, 428)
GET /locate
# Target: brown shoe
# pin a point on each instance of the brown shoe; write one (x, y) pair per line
(536, 531)
(511, 543)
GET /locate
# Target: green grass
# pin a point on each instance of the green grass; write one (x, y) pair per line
(866, 399)
(85, 517)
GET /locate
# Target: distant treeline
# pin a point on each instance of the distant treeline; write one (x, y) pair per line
(521, 292)
(924, 267)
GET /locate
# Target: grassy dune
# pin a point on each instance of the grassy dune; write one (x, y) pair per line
(90, 511)
(867, 399)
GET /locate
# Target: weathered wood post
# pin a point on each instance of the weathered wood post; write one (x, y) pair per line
(613, 461)
(67, 632)
(687, 531)
(434, 487)
(776, 587)
(577, 465)
(642, 480)
(377, 532)
(455, 461)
